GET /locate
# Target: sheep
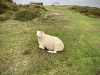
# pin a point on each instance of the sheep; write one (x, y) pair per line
(52, 43)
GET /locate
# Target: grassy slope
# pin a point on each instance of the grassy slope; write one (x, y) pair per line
(20, 55)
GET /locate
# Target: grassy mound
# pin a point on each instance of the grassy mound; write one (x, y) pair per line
(26, 15)
(89, 11)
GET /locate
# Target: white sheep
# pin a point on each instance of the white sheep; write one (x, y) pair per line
(52, 43)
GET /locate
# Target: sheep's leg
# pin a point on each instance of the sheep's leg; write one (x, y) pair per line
(52, 51)
(41, 47)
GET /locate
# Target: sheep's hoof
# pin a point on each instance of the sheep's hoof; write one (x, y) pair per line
(52, 51)
(41, 47)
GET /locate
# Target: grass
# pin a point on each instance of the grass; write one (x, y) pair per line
(20, 55)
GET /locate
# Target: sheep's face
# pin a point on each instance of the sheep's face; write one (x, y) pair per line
(39, 33)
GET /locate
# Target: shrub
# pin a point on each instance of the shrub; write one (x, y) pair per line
(89, 11)
(7, 15)
(26, 15)
(0, 1)
(43, 8)
(14, 7)
(8, 0)
(25, 6)
(3, 18)
(3, 8)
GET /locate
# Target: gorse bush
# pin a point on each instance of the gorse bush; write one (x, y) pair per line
(20, 12)
(26, 15)
(0, 1)
(89, 11)
(3, 8)
(8, 0)
(3, 18)
(14, 7)
(43, 8)
(7, 15)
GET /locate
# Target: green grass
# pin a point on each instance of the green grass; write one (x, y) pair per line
(20, 55)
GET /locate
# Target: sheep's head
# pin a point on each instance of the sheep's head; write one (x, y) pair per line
(39, 33)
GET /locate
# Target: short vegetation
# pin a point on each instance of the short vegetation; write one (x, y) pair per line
(19, 51)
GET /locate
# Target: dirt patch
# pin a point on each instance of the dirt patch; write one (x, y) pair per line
(98, 73)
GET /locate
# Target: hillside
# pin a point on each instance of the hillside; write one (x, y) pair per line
(11, 10)
(20, 54)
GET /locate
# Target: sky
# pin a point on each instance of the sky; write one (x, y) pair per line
(93, 3)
